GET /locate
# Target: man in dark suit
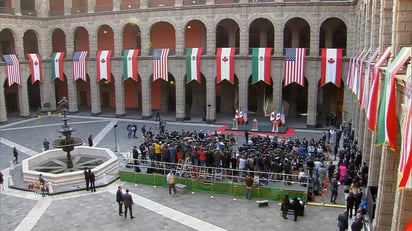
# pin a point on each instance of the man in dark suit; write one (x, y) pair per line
(119, 199)
(128, 202)
(92, 178)
(86, 178)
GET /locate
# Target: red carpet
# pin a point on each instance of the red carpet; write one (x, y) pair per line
(289, 132)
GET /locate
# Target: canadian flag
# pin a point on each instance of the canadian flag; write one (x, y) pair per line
(103, 65)
(331, 67)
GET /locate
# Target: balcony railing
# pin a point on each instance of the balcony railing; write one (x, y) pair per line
(194, 2)
(161, 3)
(258, 1)
(103, 8)
(226, 1)
(29, 12)
(56, 12)
(79, 10)
(6, 10)
(130, 6)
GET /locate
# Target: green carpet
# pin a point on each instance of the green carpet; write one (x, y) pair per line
(261, 128)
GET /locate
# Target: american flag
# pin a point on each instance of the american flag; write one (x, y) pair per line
(79, 65)
(160, 70)
(13, 69)
(295, 66)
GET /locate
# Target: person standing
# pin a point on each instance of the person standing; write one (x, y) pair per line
(356, 224)
(16, 155)
(86, 178)
(296, 206)
(171, 181)
(334, 190)
(249, 186)
(246, 136)
(119, 199)
(285, 206)
(343, 221)
(90, 140)
(1, 181)
(46, 145)
(92, 181)
(350, 201)
(128, 202)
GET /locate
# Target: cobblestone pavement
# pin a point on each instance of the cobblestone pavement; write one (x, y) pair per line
(154, 209)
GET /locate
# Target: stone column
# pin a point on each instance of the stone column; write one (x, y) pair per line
(314, 43)
(244, 39)
(278, 37)
(276, 72)
(94, 86)
(243, 85)
(42, 7)
(210, 93)
(22, 91)
(15, 4)
(367, 146)
(402, 210)
(386, 189)
(180, 42)
(180, 93)
(71, 87)
(145, 38)
(3, 111)
(116, 5)
(146, 90)
(211, 41)
(178, 3)
(311, 114)
(90, 6)
(143, 4)
(360, 132)
(68, 7)
(117, 70)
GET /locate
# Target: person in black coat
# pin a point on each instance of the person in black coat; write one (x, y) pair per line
(285, 206)
(119, 199)
(128, 203)
(86, 178)
(350, 201)
(92, 178)
(296, 207)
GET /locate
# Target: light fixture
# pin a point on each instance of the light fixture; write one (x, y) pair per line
(129, 6)
(78, 11)
(188, 27)
(193, 2)
(172, 82)
(105, 31)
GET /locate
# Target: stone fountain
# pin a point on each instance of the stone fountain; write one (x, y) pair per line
(64, 164)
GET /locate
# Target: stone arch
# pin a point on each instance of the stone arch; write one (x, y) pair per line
(227, 96)
(30, 42)
(195, 35)
(33, 93)
(296, 97)
(260, 96)
(163, 35)
(261, 34)
(105, 37)
(61, 88)
(133, 93)
(296, 33)
(11, 95)
(227, 33)
(107, 92)
(58, 40)
(81, 44)
(131, 37)
(7, 40)
(333, 34)
(163, 94)
(196, 94)
(330, 102)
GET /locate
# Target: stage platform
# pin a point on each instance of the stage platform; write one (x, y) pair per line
(262, 130)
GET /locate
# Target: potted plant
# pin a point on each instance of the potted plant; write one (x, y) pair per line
(48, 106)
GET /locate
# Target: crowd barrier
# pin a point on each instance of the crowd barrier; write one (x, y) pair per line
(271, 186)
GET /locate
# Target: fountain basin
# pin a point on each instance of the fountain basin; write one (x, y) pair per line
(51, 164)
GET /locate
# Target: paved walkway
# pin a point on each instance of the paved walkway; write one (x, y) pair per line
(154, 209)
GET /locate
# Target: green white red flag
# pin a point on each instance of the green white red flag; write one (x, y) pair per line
(374, 92)
(405, 164)
(261, 65)
(56, 62)
(35, 67)
(367, 79)
(130, 64)
(225, 64)
(193, 64)
(387, 113)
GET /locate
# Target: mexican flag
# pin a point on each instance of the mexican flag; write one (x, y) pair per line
(56, 62)
(130, 64)
(261, 65)
(387, 114)
(193, 64)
